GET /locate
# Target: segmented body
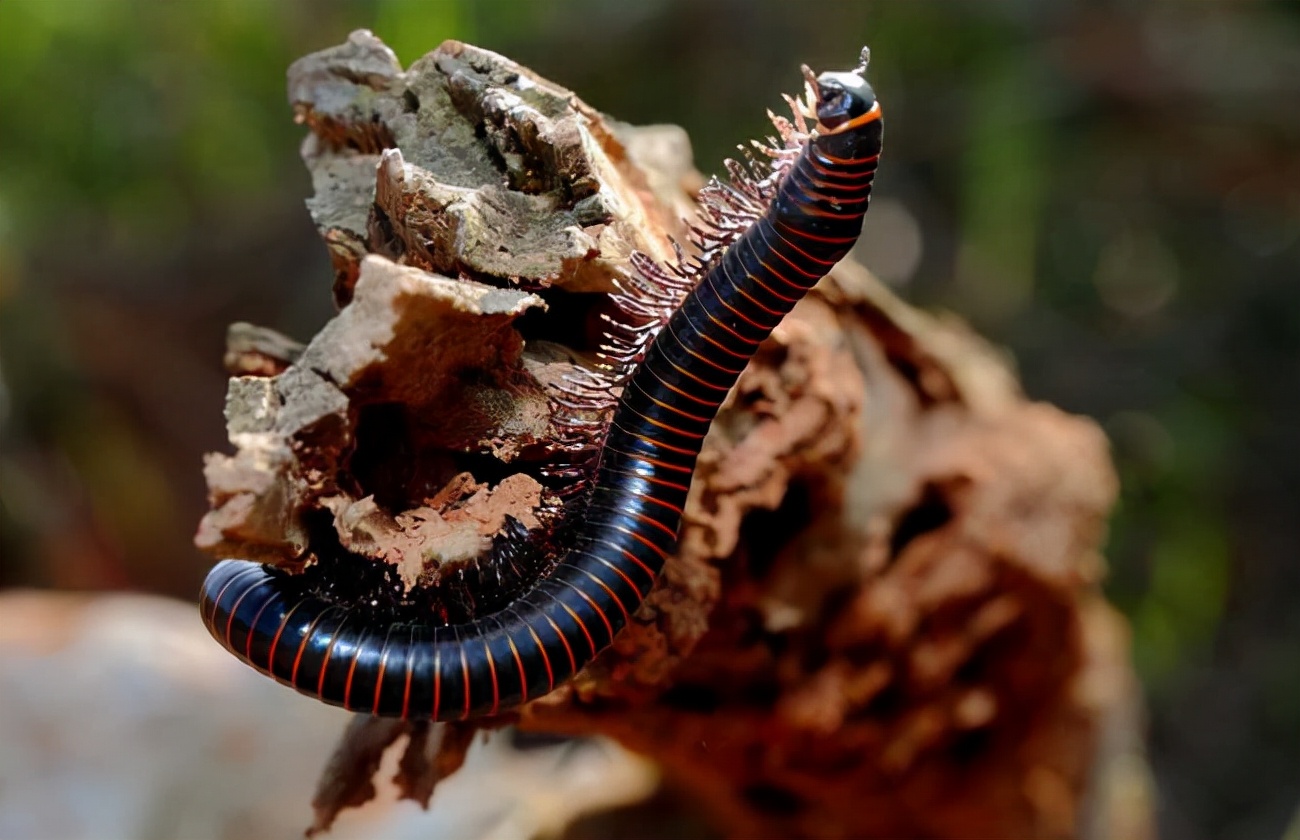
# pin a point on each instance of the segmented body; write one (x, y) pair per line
(427, 670)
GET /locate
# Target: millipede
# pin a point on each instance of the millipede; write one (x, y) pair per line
(769, 235)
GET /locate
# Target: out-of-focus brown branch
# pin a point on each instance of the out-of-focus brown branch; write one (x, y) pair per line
(883, 619)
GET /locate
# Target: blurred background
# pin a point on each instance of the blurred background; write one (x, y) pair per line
(1109, 189)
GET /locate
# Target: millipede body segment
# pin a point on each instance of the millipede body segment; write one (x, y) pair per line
(420, 668)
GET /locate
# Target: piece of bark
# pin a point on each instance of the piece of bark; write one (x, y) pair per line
(884, 616)
(431, 754)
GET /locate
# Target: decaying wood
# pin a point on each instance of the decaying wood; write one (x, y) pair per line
(884, 617)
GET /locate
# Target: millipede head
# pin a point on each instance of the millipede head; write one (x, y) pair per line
(843, 100)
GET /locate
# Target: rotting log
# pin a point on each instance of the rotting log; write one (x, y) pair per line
(884, 616)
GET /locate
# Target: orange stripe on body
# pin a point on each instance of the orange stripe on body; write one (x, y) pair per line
(722, 300)
(710, 363)
(799, 290)
(573, 662)
(302, 647)
(329, 651)
(275, 642)
(654, 462)
(705, 359)
(581, 624)
(704, 334)
(519, 663)
(631, 557)
(622, 573)
(248, 642)
(383, 666)
(650, 520)
(709, 404)
(222, 593)
(828, 263)
(653, 442)
(546, 659)
(634, 535)
(698, 418)
(230, 619)
(347, 685)
(829, 240)
(873, 114)
(653, 480)
(736, 288)
(859, 181)
(592, 602)
(437, 676)
(723, 389)
(492, 670)
(677, 509)
(605, 586)
(773, 249)
(406, 688)
(662, 425)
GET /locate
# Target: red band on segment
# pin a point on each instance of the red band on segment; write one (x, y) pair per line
(406, 688)
(329, 651)
(302, 646)
(581, 624)
(347, 686)
(275, 642)
(573, 662)
(711, 405)
(519, 663)
(230, 619)
(797, 249)
(592, 603)
(631, 557)
(252, 637)
(639, 594)
(546, 659)
(492, 671)
(610, 593)
(634, 535)
(437, 679)
(221, 593)
(383, 666)
(464, 676)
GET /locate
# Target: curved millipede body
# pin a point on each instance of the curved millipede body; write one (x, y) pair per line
(430, 670)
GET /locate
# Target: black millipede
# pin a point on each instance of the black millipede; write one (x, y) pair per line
(435, 670)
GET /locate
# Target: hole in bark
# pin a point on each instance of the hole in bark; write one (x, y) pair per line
(688, 697)
(931, 512)
(383, 239)
(765, 533)
(773, 799)
(410, 101)
(571, 319)
(394, 460)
